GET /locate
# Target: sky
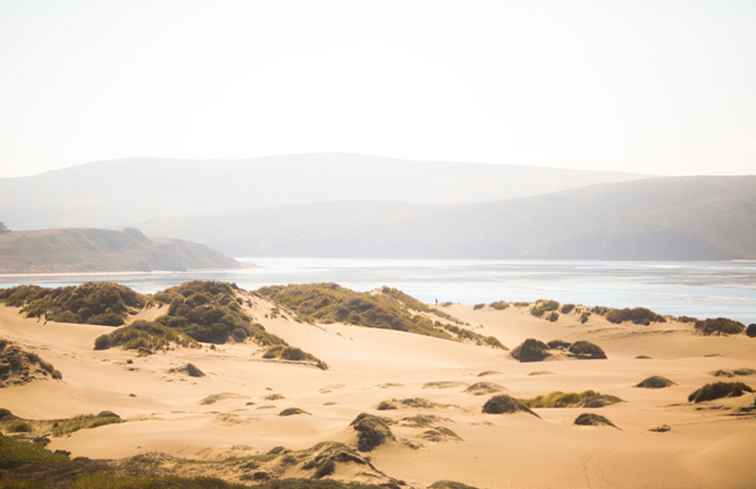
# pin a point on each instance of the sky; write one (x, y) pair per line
(640, 86)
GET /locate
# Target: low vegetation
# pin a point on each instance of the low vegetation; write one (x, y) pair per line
(18, 366)
(211, 312)
(56, 427)
(542, 306)
(504, 404)
(737, 372)
(567, 308)
(635, 315)
(719, 390)
(497, 305)
(372, 431)
(531, 350)
(292, 354)
(655, 382)
(585, 399)
(386, 309)
(585, 350)
(719, 326)
(592, 419)
(481, 388)
(145, 337)
(25, 465)
(103, 303)
(411, 402)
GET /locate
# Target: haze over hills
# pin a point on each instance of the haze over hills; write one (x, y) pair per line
(676, 218)
(101, 250)
(129, 191)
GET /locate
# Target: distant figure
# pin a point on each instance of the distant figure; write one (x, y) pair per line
(436, 301)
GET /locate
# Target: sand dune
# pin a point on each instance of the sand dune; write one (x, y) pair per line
(163, 410)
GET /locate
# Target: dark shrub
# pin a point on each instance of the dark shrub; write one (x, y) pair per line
(18, 427)
(449, 485)
(718, 390)
(478, 306)
(585, 350)
(531, 350)
(542, 306)
(591, 419)
(372, 431)
(552, 316)
(567, 308)
(751, 330)
(499, 305)
(584, 317)
(504, 404)
(719, 326)
(292, 412)
(636, 315)
(655, 382)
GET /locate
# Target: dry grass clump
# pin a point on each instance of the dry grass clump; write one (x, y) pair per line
(189, 369)
(719, 390)
(558, 399)
(18, 366)
(146, 337)
(738, 372)
(504, 404)
(292, 412)
(592, 419)
(481, 388)
(486, 373)
(478, 307)
(58, 427)
(499, 305)
(293, 354)
(636, 315)
(213, 398)
(104, 303)
(655, 382)
(411, 402)
(372, 431)
(719, 326)
(553, 316)
(584, 317)
(567, 308)
(449, 485)
(442, 384)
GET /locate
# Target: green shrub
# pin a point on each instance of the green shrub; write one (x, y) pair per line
(18, 426)
(542, 306)
(331, 303)
(144, 336)
(91, 302)
(499, 305)
(589, 398)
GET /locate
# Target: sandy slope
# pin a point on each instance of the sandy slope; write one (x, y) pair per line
(706, 448)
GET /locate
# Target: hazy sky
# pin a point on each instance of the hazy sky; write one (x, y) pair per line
(663, 87)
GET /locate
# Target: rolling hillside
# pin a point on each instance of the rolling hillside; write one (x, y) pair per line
(129, 191)
(680, 218)
(101, 250)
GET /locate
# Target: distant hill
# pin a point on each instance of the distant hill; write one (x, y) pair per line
(679, 218)
(101, 250)
(129, 191)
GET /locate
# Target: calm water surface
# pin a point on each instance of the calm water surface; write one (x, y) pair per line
(703, 289)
